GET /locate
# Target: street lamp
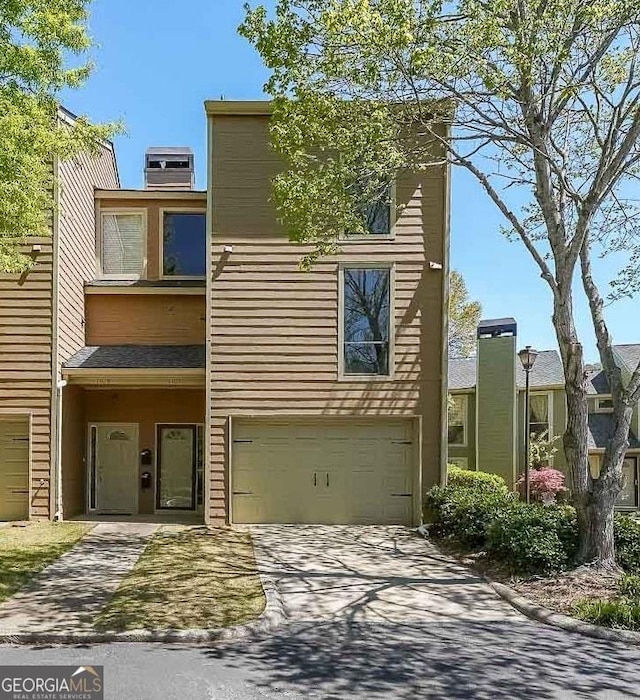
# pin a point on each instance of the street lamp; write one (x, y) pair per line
(528, 359)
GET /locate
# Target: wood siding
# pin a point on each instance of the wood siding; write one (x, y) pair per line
(77, 241)
(152, 209)
(274, 329)
(122, 319)
(26, 324)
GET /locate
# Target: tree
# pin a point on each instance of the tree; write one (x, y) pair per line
(464, 316)
(37, 40)
(540, 102)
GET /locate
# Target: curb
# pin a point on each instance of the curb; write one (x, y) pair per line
(272, 616)
(564, 622)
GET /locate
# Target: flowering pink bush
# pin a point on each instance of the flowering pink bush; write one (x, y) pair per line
(545, 483)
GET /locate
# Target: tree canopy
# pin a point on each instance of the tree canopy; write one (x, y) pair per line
(464, 316)
(39, 39)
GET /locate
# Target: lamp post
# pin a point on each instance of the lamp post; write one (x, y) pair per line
(528, 359)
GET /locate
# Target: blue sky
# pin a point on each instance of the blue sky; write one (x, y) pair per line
(156, 61)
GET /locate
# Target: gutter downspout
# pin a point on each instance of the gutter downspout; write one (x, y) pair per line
(60, 385)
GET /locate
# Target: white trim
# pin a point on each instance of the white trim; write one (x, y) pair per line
(91, 457)
(366, 265)
(127, 289)
(465, 425)
(192, 195)
(55, 409)
(177, 210)
(107, 211)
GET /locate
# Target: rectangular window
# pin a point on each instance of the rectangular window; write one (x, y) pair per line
(123, 242)
(377, 214)
(184, 244)
(540, 415)
(604, 405)
(366, 320)
(457, 413)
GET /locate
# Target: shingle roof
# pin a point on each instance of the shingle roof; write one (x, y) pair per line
(601, 429)
(547, 371)
(139, 357)
(597, 382)
(630, 355)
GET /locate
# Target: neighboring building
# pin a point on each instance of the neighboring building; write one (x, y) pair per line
(487, 409)
(41, 319)
(207, 375)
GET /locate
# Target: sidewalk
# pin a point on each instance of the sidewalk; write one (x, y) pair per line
(69, 593)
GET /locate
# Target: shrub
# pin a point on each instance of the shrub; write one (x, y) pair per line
(621, 612)
(464, 514)
(466, 478)
(629, 586)
(531, 538)
(626, 532)
(545, 484)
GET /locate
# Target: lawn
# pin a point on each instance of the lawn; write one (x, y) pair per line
(26, 550)
(201, 578)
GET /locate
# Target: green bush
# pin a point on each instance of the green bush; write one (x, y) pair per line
(464, 514)
(620, 613)
(629, 586)
(466, 478)
(533, 538)
(626, 532)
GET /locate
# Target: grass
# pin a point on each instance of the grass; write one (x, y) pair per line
(26, 550)
(194, 578)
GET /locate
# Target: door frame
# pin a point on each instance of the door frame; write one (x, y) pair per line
(91, 462)
(194, 467)
(636, 481)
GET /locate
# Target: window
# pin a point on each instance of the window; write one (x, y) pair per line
(540, 415)
(604, 405)
(457, 420)
(462, 462)
(366, 320)
(123, 244)
(184, 244)
(377, 213)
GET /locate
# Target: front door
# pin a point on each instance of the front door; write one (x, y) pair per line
(115, 468)
(176, 477)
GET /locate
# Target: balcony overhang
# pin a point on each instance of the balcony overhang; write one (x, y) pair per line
(134, 377)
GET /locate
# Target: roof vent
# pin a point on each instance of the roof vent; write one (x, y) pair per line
(169, 168)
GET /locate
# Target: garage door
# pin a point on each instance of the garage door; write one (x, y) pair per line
(343, 471)
(14, 469)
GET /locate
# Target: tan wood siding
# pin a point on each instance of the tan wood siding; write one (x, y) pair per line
(77, 240)
(25, 360)
(152, 209)
(121, 319)
(274, 328)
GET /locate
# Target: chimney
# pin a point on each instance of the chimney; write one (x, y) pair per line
(496, 398)
(169, 168)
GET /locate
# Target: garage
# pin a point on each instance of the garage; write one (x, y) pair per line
(14, 469)
(343, 471)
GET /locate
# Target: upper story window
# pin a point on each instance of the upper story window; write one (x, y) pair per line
(122, 244)
(366, 332)
(377, 215)
(604, 405)
(540, 407)
(184, 244)
(457, 413)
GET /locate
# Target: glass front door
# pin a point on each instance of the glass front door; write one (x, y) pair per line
(177, 464)
(628, 497)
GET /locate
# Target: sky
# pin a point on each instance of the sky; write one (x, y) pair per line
(156, 61)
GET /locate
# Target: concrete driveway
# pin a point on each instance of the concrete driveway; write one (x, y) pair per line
(370, 574)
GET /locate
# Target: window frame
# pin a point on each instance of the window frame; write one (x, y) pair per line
(366, 265)
(465, 425)
(598, 407)
(124, 211)
(372, 237)
(549, 395)
(178, 210)
(460, 462)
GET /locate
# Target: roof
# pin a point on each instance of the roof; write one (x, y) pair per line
(601, 430)
(239, 107)
(547, 371)
(629, 354)
(138, 357)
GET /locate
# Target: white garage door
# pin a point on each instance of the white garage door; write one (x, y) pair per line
(14, 469)
(326, 471)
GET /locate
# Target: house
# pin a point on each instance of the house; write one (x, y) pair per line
(41, 314)
(487, 407)
(211, 378)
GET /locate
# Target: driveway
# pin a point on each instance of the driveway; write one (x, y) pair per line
(370, 574)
